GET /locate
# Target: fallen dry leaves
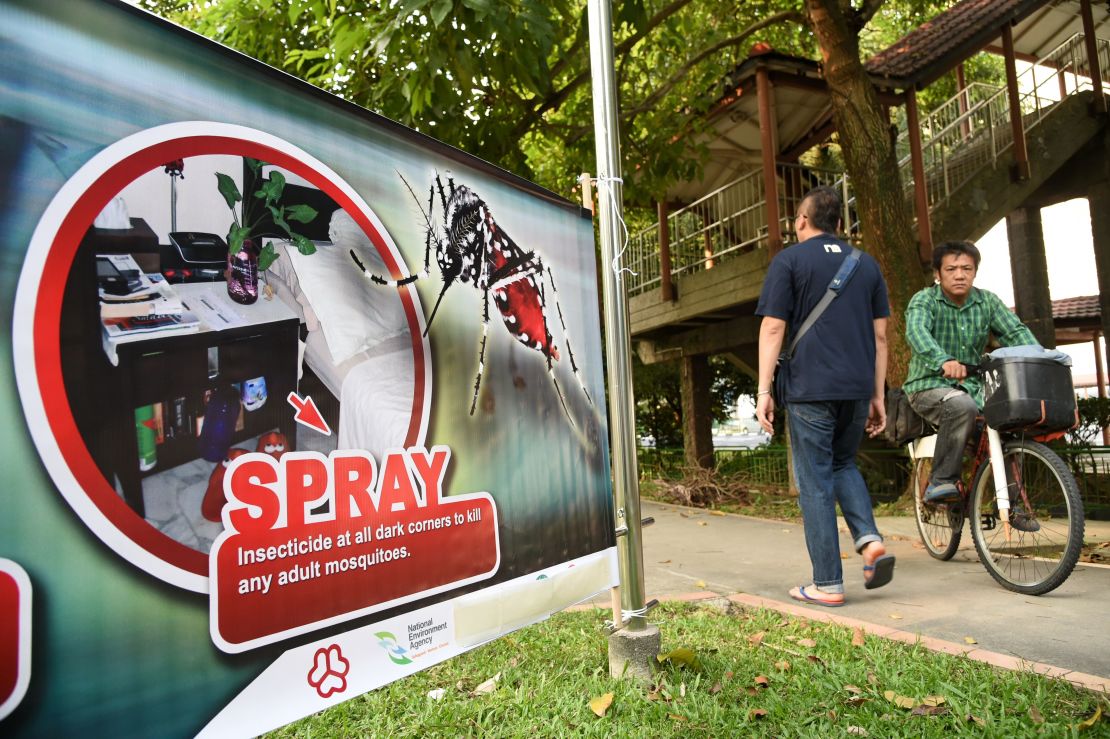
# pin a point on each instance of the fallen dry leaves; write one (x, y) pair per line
(902, 701)
(930, 711)
(857, 638)
(927, 705)
(600, 704)
(488, 686)
(681, 656)
(1090, 722)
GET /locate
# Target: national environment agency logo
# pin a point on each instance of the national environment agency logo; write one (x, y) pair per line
(397, 653)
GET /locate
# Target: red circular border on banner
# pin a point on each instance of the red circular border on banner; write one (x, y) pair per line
(48, 307)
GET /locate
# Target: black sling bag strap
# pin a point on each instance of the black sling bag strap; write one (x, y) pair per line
(839, 280)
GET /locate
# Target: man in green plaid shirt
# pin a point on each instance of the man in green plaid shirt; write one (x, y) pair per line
(947, 326)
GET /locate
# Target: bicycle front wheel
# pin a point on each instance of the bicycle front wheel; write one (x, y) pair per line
(940, 524)
(1037, 549)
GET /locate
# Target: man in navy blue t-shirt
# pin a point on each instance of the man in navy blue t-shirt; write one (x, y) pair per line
(834, 392)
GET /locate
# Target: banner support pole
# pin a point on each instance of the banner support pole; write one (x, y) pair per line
(617, 347)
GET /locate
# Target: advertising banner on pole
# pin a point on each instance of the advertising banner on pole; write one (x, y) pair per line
(301, 401)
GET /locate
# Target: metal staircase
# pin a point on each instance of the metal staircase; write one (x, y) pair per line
(972, 131)
(966, 144)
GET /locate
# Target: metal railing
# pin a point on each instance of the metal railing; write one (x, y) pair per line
(886, 471)
(966, 133)
(953, 111)
(972, 130)
(728, 221)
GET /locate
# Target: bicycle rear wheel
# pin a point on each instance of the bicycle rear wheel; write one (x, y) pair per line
(1038, 549)
(940, 524)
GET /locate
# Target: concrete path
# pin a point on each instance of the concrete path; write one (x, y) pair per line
(690, 550)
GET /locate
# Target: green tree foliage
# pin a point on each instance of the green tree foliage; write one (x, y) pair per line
(508, 80)
(657, 388)
(1094, 415)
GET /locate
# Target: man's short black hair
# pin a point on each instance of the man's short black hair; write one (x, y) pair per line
(943, 249)
(822, 208)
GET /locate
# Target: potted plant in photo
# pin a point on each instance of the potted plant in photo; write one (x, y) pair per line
(245, 259)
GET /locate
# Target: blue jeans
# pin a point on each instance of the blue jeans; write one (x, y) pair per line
(824, 437)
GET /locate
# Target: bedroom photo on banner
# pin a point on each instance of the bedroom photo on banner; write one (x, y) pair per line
(304, 401)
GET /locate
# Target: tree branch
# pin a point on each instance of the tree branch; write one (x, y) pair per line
(557, 98)
(654, 97)
(866, 12)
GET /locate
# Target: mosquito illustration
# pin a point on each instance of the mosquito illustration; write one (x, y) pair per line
(470, 247)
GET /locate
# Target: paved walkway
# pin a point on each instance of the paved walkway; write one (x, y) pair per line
(756, 561)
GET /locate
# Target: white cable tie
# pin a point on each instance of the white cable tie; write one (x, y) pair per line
(627, 615)
(618, 270)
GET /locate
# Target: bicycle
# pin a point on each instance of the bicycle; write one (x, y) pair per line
(1024, 508)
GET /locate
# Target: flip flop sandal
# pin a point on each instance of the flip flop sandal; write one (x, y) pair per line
(882, 572)
(800, 593)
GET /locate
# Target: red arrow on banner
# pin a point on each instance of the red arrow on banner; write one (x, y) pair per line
(308, 414)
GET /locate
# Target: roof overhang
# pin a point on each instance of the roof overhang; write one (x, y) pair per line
(968, 27)
(803, 117)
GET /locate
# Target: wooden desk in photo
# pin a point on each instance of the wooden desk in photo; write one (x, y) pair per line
(161, 369)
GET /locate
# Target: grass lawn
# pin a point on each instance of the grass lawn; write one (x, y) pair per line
(735, 673)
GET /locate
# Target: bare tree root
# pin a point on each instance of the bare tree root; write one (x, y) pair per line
(705, 488)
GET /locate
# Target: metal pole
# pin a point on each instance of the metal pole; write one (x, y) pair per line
(173, 203)
(626, 492)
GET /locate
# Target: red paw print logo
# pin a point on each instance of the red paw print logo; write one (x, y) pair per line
(329, 671)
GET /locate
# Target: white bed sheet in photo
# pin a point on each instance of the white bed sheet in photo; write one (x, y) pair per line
(374, 388)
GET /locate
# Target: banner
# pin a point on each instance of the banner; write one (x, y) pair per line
(303, 401)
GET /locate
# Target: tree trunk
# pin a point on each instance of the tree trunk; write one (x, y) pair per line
(864, 131)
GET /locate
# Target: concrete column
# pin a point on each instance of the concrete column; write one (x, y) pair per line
(1029, 269)
(1098, 202)
(697, 422)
